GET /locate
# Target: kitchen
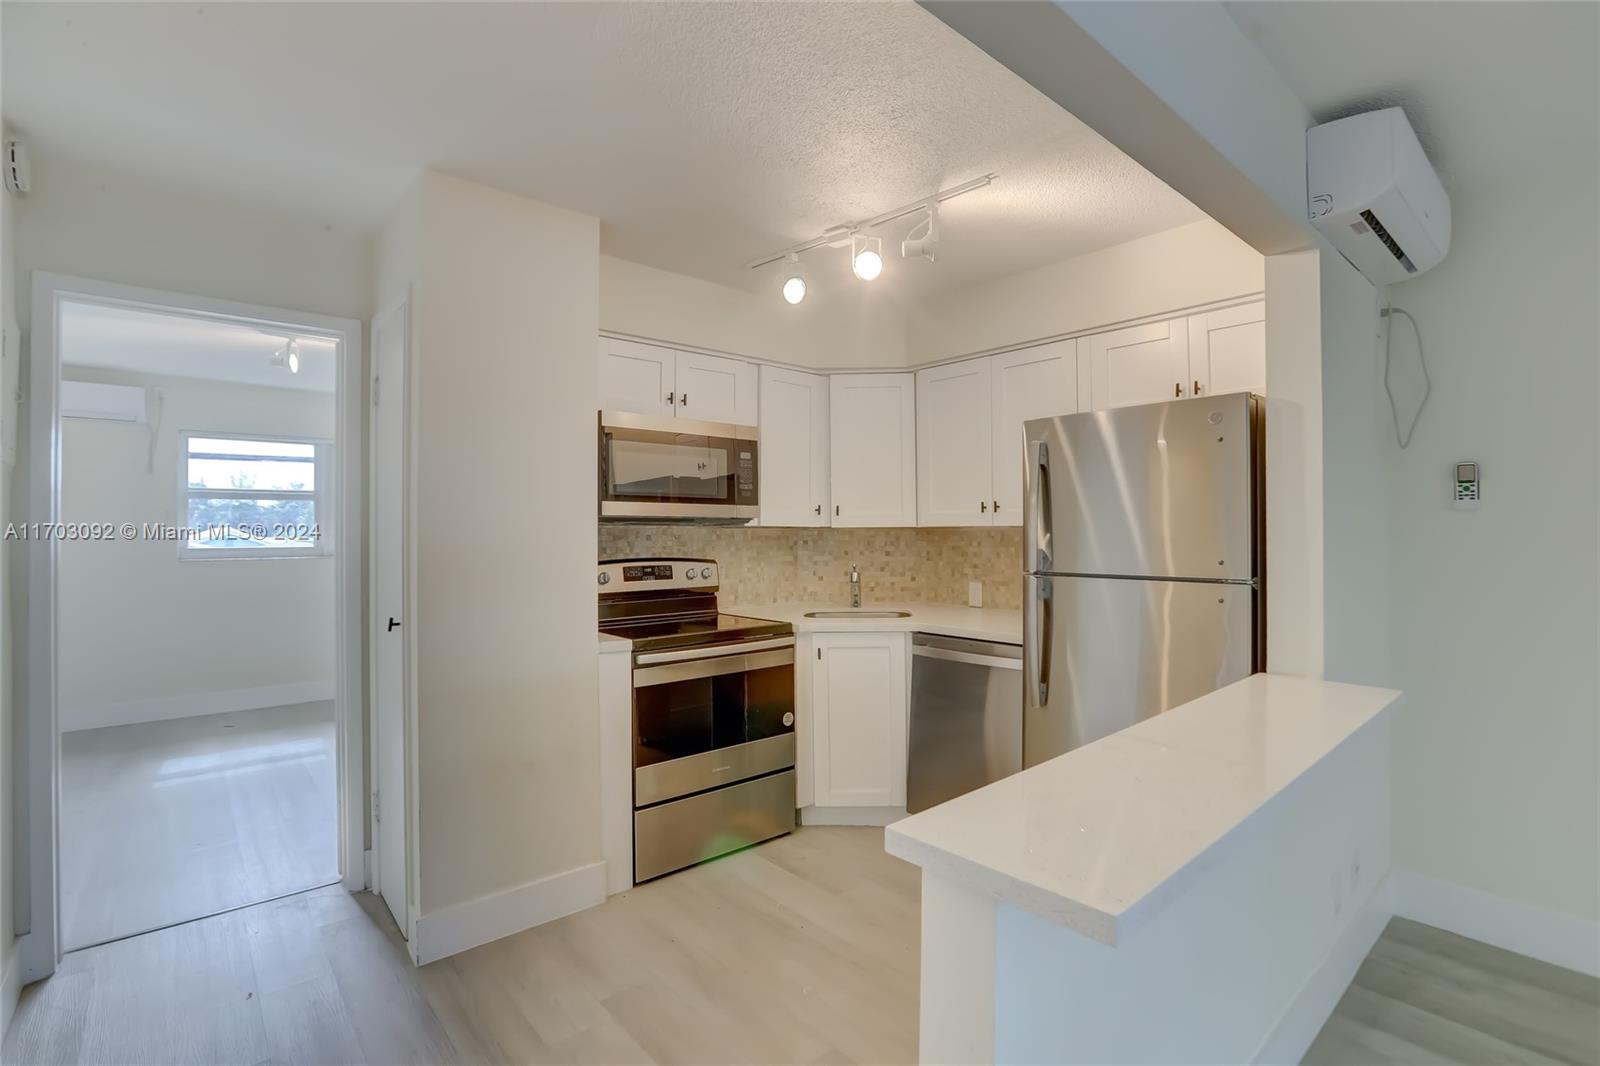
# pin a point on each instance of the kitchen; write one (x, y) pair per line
(928, 416)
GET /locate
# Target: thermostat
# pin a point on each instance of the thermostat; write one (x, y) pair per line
(1467, 487)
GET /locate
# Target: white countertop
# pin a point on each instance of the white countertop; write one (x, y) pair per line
(610, 644)
(1098, 838)
(976, 623)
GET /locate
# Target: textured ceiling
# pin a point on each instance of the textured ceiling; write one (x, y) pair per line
(151, 342)
(1491, 88)
(702, 135)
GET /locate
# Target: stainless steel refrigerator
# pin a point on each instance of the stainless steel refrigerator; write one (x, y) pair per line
(1144, 564)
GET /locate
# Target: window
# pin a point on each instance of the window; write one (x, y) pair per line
(254, 497)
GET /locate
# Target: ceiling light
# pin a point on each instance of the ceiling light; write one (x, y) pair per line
(794, 287)
(866, 256)
(925, 246)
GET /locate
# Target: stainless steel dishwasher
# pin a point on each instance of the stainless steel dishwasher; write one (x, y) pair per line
(966, 717)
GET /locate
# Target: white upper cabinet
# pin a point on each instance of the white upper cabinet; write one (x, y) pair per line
(954, 438)
(713, 388)
(872, 449)
(858, 719)
(637, 377)
(650, 379)
(1139, 364)
(1228, 350)
(794, 449)
(1037, 382)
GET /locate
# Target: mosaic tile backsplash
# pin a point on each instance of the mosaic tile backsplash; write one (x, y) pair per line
(761, 565)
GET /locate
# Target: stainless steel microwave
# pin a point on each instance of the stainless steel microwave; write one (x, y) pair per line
(656, 468)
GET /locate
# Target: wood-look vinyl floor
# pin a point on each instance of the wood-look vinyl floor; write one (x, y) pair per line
(801, 950)
(1427, 996)
(164, 822)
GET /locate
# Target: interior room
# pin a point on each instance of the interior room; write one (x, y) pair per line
(196, 704)
(800, 532)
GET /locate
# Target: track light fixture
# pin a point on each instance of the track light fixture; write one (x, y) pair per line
(866, 256)
(288, 356)
(866, 251)
(925, 246)
(794, 287)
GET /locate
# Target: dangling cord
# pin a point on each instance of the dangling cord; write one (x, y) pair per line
(1389, 311)
(155, 429)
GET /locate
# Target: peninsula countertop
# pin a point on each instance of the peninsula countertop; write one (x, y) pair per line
(977, 623)
(1098, 838)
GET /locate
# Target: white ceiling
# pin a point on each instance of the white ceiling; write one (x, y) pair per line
(1491, 88)
(702, 135)
(115, 337)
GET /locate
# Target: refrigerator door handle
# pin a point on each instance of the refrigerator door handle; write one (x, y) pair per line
(1038, 551)
(1037, 627)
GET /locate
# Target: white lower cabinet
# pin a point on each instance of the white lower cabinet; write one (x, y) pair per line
(855, 697)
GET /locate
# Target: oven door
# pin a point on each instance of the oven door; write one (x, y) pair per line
(655, 467)
(702, 720)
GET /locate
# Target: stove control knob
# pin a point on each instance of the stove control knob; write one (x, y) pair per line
(605, 578)
(788, 718)
(705, 571)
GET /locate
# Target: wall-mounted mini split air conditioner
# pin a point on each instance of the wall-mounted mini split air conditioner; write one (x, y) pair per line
(110, 403)
(1372, 192)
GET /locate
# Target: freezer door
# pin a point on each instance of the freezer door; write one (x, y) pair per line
(1163, 490)
(1103, 653)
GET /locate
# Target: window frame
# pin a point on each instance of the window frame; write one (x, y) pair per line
(322, 497)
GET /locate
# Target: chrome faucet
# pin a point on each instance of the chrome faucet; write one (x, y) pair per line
(855, 586)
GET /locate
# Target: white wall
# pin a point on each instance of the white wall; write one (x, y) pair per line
(507, 311)
(140, 629)
(1168, 271)
(842, 329)
(1497, 756)
(9, 752)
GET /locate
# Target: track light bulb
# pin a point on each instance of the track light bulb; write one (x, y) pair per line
(866, 257)
(294, 359)
(794, 288)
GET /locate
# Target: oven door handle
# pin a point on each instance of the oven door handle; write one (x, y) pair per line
(650, 658)
(717, 666)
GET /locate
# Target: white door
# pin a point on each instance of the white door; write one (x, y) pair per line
(1038, 382)
(872, 449)
(794, 449)
(390, 340)
(637, 377)
(1139, 364)
(954, 437)
(1228, 350)
(714, 389)
(858, 714)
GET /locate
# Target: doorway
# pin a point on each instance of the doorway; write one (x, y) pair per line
(194, 611)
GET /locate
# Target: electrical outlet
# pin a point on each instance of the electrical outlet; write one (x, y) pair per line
(975, 594)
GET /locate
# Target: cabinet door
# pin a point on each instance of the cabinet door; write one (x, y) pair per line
(954, 437)
(712, 388)
(794, 449)
(1139, 364)
(1038, 382)
(858, 703)
(872, 449)
(1228, 350)
(636, 377)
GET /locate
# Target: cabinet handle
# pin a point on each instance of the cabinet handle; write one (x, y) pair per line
(683, 399)
(836, 509)
(819, 508)
(671, 398)
(1177, 389)
(983, 506)
(1197, 387)
(997, 507)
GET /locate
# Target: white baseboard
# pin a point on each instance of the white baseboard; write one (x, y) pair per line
(10, 988)
(1314, 1003)
(1564, 940)
(872, 816)
(449, 930)
(191, 705)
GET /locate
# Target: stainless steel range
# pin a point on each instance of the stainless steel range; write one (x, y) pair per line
(713, 714)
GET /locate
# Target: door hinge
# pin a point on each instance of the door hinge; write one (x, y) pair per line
(376, 381)
(377, 808)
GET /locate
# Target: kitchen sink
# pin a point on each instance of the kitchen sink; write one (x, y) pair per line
(858, 613)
